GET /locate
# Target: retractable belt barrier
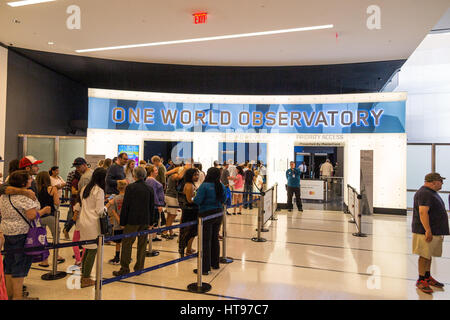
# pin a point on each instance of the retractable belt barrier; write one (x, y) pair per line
(354, 208)
(198, 287)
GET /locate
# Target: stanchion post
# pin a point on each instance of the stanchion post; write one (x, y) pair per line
(352, 220)
(224, 258)
(150, 252)
(99, 269)
(261, 199)
(199, 287)
(358, 218)
(260, 219)
(272, 217)
(55, 274)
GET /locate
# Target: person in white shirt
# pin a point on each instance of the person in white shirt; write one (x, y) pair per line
(303, 169)
(233, 172)
(56, 180)
(92, 206)
(262, 170)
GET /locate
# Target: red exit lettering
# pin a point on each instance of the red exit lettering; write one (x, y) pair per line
(200, 17)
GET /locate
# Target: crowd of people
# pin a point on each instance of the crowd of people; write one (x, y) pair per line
(136, 196)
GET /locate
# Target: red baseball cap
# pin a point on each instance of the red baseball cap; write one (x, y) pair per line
(28, 161)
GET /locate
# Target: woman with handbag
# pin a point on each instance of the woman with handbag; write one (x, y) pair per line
(17, 213)
(92, 207)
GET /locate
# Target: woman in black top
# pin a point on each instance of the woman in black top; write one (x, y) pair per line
(189, 212)
(48, 196)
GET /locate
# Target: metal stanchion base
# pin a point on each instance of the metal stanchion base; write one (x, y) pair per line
(263, 230)
(352, 221)
(154, 253)
(50, 276)
(226, 260)
(359, 234)
(193, 287)
(259, 239)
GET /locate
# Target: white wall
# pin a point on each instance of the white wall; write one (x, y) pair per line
(389, 153)
(3, 82)
(426, 78)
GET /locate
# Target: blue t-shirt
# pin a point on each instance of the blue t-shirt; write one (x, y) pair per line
(293, 177)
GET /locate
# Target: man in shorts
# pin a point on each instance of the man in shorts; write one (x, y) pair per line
(429, 225)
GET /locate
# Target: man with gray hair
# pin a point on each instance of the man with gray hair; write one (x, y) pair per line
(136, 215)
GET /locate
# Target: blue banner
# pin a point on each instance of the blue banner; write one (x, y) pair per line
(372, 117)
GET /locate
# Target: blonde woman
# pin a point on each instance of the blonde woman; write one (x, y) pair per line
(257, 184)
(100, 163)
(129, 171)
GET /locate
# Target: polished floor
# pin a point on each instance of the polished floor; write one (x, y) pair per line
(309, 255)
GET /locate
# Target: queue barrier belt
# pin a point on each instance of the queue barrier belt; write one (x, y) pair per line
(51, 246)
(255, 193)
(137, 273)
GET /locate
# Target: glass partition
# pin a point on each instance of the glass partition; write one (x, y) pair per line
(69, 149)
(54, 150)
(442, 164)
(42, 149)
(418, 165)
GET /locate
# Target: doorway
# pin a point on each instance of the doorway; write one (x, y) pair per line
(177, 151)
(327, 195)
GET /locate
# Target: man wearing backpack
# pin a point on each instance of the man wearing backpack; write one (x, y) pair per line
(175, 183)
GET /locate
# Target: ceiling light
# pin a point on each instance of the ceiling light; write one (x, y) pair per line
(231, 36)
(26, 2)
(51, 43)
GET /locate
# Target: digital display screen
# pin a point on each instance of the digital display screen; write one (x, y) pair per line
(131, 150)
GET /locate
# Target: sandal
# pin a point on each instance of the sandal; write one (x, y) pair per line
(189, 252)
(61, 260)
(43, 265)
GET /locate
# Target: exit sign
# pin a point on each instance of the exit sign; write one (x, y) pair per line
(200, 17)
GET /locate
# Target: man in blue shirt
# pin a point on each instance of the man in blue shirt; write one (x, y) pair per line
(293, 187)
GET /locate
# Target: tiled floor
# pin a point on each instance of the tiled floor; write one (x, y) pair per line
(309, 255)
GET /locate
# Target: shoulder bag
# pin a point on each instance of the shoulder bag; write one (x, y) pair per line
(36, 237)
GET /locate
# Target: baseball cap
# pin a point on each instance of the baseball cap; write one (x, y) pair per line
(28, 161)
(433, 177)
(78, 162)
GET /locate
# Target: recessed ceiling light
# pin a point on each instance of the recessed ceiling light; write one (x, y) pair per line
(51, 43)
(26, 2)
(231, 36)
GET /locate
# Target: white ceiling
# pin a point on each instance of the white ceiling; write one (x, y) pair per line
(118, 22)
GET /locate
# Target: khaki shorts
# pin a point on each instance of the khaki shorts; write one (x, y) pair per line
(427, 249)
(171, 203)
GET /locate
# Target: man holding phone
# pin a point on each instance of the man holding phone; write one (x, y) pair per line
(429, 225)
